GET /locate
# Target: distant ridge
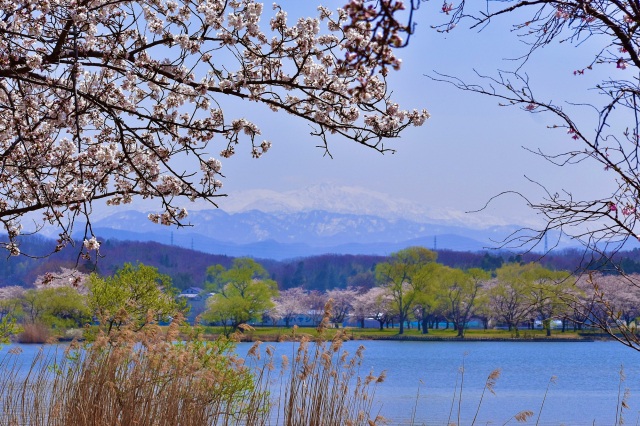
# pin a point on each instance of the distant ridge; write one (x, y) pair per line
(271, 249)
(282, 235)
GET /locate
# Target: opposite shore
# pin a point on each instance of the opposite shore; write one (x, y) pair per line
(277, 334)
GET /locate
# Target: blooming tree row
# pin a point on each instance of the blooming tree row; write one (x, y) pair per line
(516, 296)
(611, 303)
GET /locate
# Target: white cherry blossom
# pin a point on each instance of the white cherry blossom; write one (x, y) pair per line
(99, 99)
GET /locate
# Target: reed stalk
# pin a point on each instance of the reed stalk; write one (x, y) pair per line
(150, 378)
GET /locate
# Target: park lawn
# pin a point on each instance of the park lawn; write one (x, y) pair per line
(275, 334)
(451, 334)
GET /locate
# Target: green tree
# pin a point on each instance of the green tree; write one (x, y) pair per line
(10, 311)
(399, 276)
(549, 291)
(510, 296)
(522, 292)
(460, 291)
(241, 293)
(134, 294)
(11, 301)
(56, 307)
(426, 286)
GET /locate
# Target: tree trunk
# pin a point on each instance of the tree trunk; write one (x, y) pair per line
(425, 325)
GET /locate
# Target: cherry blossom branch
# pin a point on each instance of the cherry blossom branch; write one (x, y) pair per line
(98, 98)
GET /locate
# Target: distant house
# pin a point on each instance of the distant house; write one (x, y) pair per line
(196, 298)
(192, 293)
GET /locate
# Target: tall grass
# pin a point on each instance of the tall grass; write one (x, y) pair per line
(145, 378)
(321, 384)
(131, 379)
(324, 387)
(34, 333)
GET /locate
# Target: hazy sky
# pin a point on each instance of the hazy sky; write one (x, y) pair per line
(470, 150)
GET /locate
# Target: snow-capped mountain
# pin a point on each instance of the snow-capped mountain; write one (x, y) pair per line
(349, 200)
(315, 220)
(282, 235)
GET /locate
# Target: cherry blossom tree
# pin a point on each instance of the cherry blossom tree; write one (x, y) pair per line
(342, 303)
(117, 101)
(289, 303)
(603, 132)
(376, 303)
(315, 303)
(611, 303)
(65, 277)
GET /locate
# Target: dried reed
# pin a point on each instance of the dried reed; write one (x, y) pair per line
(34, 333)
(324, 387)
(130, 378)
(145, 378)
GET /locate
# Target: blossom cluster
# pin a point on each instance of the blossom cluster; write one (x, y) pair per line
(99, 99)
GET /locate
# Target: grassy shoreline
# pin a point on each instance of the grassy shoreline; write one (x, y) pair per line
(281, 334)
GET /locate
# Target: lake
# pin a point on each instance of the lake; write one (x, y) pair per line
(585, 391)
(423, 375)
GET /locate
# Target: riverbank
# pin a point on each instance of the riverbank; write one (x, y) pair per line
(276, 334)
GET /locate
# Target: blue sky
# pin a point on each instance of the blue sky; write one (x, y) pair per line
(470, 150)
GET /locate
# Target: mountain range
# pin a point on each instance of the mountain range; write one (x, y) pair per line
(287, 235)
(317, 220)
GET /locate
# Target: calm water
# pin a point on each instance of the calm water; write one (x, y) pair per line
(585, 391)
